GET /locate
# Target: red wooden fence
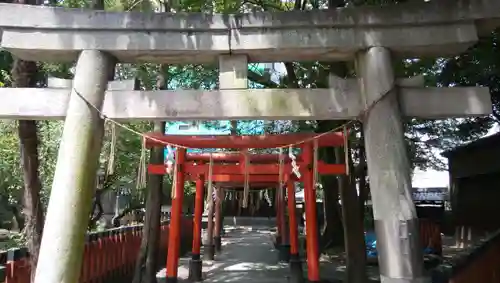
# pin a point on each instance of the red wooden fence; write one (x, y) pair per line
(430, 235)
(480, 263)
(108, 256)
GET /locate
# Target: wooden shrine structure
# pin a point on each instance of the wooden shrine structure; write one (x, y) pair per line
(372, 37)
(275, 171)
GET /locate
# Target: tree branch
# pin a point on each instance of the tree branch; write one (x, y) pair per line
(254, 77)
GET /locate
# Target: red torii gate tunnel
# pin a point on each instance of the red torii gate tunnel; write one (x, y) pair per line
(257, 170)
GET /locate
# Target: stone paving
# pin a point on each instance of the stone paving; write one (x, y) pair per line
(247, 255)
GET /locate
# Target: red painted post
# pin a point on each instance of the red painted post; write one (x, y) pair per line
(126, 247)
(198, 213)
(92, 254)
(296, 274)
(311, 217)
(105, 256)
(100, 270)
(92, 257)
(84, 277)
(121, 254)
(195, 265)
(112, 254)
(174, 239)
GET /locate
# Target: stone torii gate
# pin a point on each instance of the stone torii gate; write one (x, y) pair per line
(371, 36)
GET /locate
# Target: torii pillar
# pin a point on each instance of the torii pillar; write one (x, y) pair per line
(283, 245)
(396, 224)
(174, 233)
(74, 179)
(195, 264)
(295, 263)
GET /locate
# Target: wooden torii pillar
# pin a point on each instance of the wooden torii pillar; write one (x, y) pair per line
(296, 273)
(174, 233)
(196, 264)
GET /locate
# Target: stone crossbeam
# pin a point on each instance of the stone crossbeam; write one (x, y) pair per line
(436, 28)
(57, 83)
(341, 101)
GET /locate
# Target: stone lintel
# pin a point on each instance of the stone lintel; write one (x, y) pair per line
(412, 13)
(442, 102)
(233, 72)
(132, 84)
(437, 28)
(274, 45)
(427, 102)
(250, 104)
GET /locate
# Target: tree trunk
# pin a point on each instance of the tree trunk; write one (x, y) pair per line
(354, 241)
(32, 207)
(24, 74)
(332, 232)
(147, 261)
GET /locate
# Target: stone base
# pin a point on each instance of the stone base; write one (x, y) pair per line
(171, 280)
(209, 252)
(296, 273)
(195, 269)
(284, 253)
(218, 243)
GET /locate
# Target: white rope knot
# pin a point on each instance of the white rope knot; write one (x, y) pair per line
(268, 199)
(169, 160)
(209, 200)
(141, 171)
(173, 193)
(295, 167)
(112, 151)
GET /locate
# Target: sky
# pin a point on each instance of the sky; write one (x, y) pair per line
(433, 178)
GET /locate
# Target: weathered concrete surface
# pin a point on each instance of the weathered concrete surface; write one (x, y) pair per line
(415, 29)
(342, 101)
(399, 253)
(62, 247)
(131, 84)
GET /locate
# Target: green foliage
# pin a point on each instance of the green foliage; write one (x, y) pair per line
(5, 66)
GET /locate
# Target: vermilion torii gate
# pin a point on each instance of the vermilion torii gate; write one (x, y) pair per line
(372, 37)
(248, 171)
